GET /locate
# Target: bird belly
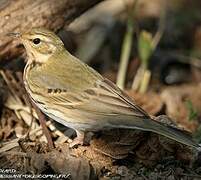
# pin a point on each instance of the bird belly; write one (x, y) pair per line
(73, 122)
(67, 119)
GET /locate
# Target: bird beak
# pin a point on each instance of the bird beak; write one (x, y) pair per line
(14, 35)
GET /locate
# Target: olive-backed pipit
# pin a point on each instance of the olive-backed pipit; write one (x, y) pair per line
(74, 94)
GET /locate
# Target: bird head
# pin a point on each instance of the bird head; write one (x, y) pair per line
(40, 44)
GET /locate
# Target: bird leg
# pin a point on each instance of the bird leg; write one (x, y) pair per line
(81, 139)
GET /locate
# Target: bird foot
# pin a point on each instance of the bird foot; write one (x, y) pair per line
(81, 139)
(76, 142)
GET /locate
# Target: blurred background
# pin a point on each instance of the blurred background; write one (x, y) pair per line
(150, 49)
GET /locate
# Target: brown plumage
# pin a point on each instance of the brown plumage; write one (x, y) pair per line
(74, 94)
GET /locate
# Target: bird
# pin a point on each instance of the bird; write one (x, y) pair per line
(72, 93)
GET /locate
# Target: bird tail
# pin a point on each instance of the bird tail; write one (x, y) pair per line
(174, 133)
(171, 132)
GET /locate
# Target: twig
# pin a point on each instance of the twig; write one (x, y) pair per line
(5, 77)
(190, 175)
(42, 121)
(26, 100)
(145, 81)
(137, 78)
(10, 145)
(141, 80)
(143, 176)
(14, 153)
(126, 49)
(161, 26)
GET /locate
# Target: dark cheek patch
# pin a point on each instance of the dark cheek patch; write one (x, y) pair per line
(49, 51)
(42, 48)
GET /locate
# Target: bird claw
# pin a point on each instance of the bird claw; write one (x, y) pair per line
(81, 139)
(76, 142)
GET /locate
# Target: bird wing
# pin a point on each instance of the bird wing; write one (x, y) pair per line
(105, 105)
(104, 98)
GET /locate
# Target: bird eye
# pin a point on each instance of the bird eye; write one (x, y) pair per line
(36, 41)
